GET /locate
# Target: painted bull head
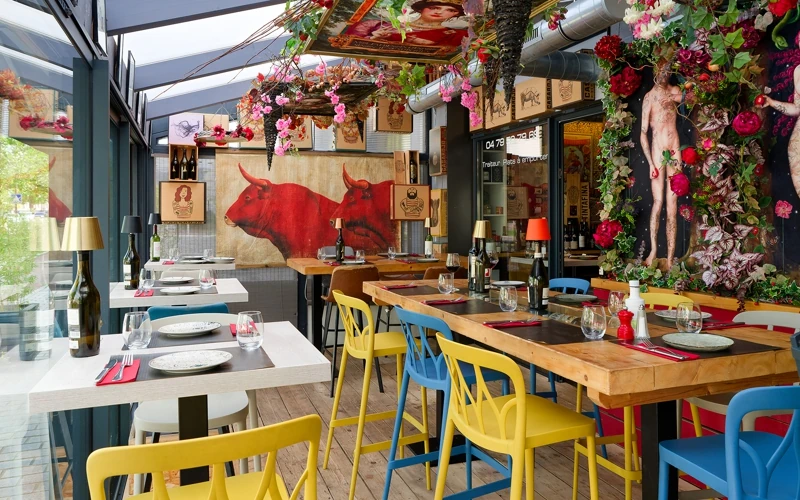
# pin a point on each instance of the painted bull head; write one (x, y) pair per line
(294, 218)
(366, 211)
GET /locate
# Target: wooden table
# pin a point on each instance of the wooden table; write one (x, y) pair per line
(312, 269)
(616, 376)
(67, 383)
(215, 266)
(228, 290)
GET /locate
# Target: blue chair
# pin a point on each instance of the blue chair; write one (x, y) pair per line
(430, 371)
(742, 465)
(159, 312)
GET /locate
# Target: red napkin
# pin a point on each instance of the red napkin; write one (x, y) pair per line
(397, 287)
(129, 375)
(722, 325)
(689, 355)
(511, 324)
(333, 264)
(349, 256)
(406, 261)
(233, 329)
(168, 262)
(440, 302)
(143, 293)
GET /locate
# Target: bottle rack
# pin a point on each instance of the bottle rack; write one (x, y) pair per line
(177, 150)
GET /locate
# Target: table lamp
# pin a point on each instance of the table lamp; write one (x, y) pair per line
(131, 225)
(155, 240)
(538, 230)
(82, 235)
(483, 229)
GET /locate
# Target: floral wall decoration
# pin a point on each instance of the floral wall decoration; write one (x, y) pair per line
(709, 72)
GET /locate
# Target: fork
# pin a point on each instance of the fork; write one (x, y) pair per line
(648, 344)
(127, 360)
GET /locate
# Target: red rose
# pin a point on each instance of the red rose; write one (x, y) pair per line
(759, 170)
(690, 156)
(603, 241)
(625, 82)
(679, 184)
(248, 133)
(609, 48)
(303, 37)
(484, 55)
(746, 123)
(779, 8)
(606, 232)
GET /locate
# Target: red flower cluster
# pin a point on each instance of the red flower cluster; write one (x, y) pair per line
(626, 82)
(245, 132)
(749, 32)
(609, 48)
(28, 122)
(606, 232)
(779, 8)
(691, 61)
(690, 156)
(679, 184)
(324, 3)
(746, 123)
(687, 212)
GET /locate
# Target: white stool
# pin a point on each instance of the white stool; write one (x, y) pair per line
(224, 410)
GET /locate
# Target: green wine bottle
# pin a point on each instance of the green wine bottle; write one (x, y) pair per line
(83, 312)
(131, 265)
(155, 245)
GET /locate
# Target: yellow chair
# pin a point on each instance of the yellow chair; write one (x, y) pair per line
(668, 300)
(214, 450)
(511, 425)
(364, 343)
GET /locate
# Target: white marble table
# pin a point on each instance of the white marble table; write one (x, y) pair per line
(228, 290)
(216, 266)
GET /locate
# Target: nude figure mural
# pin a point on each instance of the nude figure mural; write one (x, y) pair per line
(660, 115)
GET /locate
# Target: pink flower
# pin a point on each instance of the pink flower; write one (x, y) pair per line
(218, 132)
(708, 143)
(266, 98)
(746, 123)
(380, 81)
(465, 85)
(281, 100)
(298, 97)
(296, 59)
(469, 100)
(283, 134)
(321, 67)
(679, 184)
(783, 209)
(446, 92)
(474, 119)
(687, 212)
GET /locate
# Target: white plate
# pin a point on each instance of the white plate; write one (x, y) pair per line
(427, 259)
(702, 342)
(172, 280)
(192, 261)
(353, 262)
(180, 290)
(192, 257)
(63, 283)
(189, 329)
(508, 283)
(223, 260)
(190, 361)
(575, 297)
(673, 314)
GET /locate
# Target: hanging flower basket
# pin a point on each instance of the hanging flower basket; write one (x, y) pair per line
(220, 136)
(60, 127)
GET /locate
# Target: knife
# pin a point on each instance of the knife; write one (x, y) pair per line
(111, 362)
(664, 351)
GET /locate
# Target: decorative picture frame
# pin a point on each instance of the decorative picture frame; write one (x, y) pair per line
(411, 201)
(388, 119)
(438, 212)
(121, 72)
(532, 98)
(348, 137)
(437, 151)
(500, 114)
(182, 202)
(182, 128)
(131, 80)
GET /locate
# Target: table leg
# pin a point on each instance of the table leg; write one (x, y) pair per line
(302, 306)
(316, 311)
(658, 424)
(252, 423)
(193, 423)
(458, 439)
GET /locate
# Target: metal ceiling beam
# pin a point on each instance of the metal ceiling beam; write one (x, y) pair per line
(29, 71)
(125, 16)
(171, 71)
(37, 45)
(197, 99)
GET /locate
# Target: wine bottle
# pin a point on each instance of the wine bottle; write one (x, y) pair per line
(429, 245)
(573, 242)
(473, 255)
(131, 265)
(566, 236)
(192, 167)
(155, 245)
(413, 171)
(486, 175)
(339, 247)
(481, 264)
(184, 167)
(582, 236)
(538, 285)
(175, 168)
(83, 312)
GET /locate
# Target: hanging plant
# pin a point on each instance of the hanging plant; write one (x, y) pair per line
(511, 23)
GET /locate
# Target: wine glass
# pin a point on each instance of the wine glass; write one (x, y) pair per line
(361, 256)
(320, 254)
(689, 317)
(508, 298)
(446, 283)
(146, 279)
(206, 278)
(392, 253)
(453, 262)
(494, 258)
(616, 303)
(208, 253)
(593, 322)
(136, 330)
(249, 326)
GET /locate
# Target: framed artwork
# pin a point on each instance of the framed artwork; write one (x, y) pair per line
(532, 98)
(438, 212)
(411, 201)
(303, 134)
(182, 128)
(136, 108)
(210, 121)
(479, 110)
(121, 73)
(131, 74)
(142, 117)
(517, 202)
(437, 151)
(351, 135)
(389, 119)
(99, 22)
(499, 114)
(566, 92)
(182, 202)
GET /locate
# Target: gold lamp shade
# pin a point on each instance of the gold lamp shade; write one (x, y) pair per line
(427, 222)
(338, 224)
(483, 229)
(82, 233)
(44, 235)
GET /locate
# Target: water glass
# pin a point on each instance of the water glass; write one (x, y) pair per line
(136, 330)
(508, 298)
(206, 278)
(249, 330)
(208, 253)
(688, 317)
(446, 283)
(593, 322)
(616, 303)
(392, 253)
(320, 254)
(147, 279)
(361, 256)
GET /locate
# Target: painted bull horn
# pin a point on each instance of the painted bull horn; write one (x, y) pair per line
(262, 183)
(349, 182)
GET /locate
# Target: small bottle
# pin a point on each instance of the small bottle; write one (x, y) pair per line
(192, 167)
(582, 236)
(538, 285)
(155, 245)
(175, 167)
(635, 304)
(481, 264)
(413, 171)
(573, 241)
(428, 242)
(340, 247)
(184, 167)
(131, 264)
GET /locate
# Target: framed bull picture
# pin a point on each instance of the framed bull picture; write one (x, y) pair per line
(411, 202)
(437, 151)
(532, 98)
(497, 113)
(438, 212)
(182, 202)
(390, 116)
(351, 135)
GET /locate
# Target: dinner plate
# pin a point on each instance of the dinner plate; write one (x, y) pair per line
(353, 262)
(427, 259)
(398, 254)
(673, 314)
(63, 283)
(222, 260)
(192, 261)
(191, 257)
(173, 280)
(508, 283)
(180, 290)
(189, 361)
(575, 297)
(189, 329)
(701, 342)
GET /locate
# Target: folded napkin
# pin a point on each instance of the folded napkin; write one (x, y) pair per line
(721, 325)
(143, 293)
(406, 261)
(397, 287)
(333, 264)
(129, 375)
(349, 256)
(689, 355)
(443, 302)
(234, 329)
(510, 324)
(168, 262)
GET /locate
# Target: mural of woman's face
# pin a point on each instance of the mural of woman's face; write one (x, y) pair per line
(184, 192)
(438, 13)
